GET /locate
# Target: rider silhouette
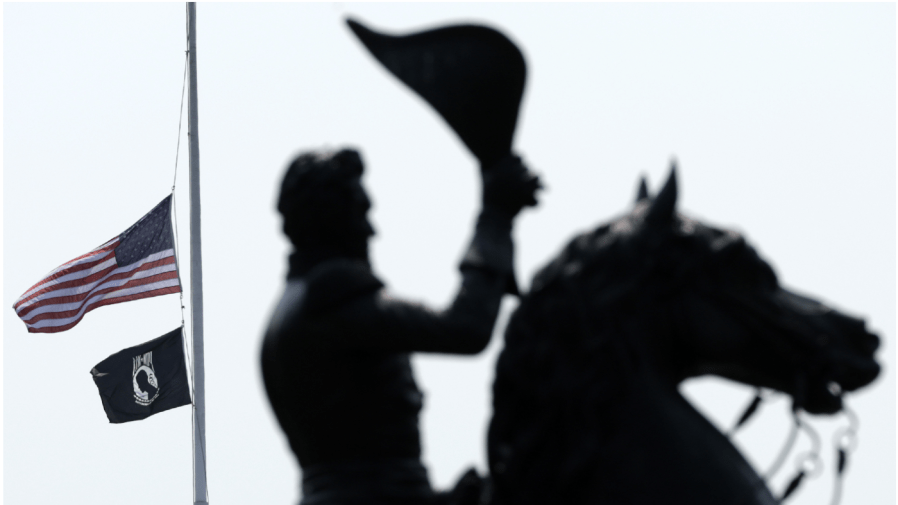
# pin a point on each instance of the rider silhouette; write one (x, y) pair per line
(335, 358)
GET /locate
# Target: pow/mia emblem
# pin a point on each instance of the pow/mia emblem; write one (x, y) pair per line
(146, 387)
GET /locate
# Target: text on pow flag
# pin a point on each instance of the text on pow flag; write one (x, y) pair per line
(143, 380)
(139, 263)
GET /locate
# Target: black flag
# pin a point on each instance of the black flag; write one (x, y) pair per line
(143, 380)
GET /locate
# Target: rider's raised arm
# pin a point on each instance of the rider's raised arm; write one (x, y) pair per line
(378, 321)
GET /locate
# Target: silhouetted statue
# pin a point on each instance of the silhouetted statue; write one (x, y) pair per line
(336, 355)
(335, 358)
(586, 406)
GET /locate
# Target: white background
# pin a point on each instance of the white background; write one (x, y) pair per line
(782, 117)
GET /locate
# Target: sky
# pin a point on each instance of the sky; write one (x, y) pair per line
(781, 116)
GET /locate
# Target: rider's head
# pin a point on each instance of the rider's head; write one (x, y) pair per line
(324, 205)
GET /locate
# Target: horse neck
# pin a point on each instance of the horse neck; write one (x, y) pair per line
(657, 437)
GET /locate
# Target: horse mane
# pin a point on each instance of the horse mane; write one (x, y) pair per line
(570, 351)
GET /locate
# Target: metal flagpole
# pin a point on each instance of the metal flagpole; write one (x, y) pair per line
(196, 277)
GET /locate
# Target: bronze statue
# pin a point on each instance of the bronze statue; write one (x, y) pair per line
(335, 358)
(586, 406)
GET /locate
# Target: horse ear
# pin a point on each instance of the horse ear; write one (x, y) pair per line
(643, 190)
(664, 206)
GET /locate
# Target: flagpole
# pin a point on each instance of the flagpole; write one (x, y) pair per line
(196, 277)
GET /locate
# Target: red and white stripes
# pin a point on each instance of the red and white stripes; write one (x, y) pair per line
(60, 300)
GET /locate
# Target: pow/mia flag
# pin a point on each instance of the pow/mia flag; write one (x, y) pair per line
(143, 380)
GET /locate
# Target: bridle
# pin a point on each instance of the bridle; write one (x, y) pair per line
(808, 464)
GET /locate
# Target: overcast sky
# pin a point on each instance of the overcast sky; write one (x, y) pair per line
(782, 117)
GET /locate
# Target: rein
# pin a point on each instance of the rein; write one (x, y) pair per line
(808, 464)
(844, 441)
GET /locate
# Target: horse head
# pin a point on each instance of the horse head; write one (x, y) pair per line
(654, 297)
(732, 318)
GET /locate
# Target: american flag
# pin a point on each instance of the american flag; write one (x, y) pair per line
(139, 263)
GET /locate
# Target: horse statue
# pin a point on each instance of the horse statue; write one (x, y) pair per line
(586, 405)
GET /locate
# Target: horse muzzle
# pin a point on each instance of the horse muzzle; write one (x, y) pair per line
(840, 352)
